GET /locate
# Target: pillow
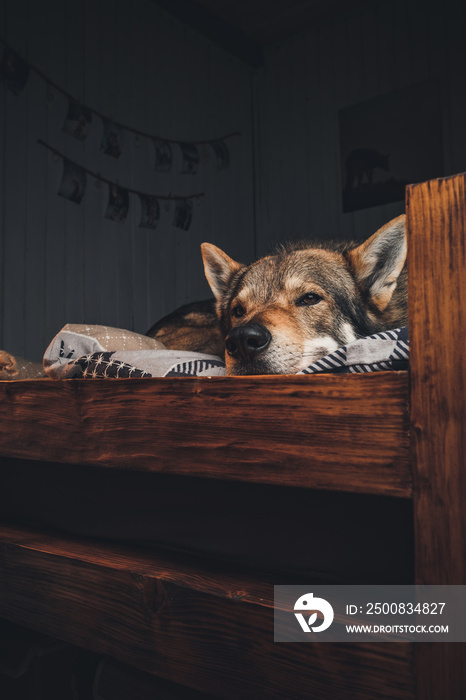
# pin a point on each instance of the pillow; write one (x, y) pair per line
(91, 352)
(388, 350)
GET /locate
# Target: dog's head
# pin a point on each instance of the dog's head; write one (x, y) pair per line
(285, 311)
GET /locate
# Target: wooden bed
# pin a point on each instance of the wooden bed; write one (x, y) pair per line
(208, 625)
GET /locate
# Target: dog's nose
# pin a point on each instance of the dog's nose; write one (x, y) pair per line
(247, 341)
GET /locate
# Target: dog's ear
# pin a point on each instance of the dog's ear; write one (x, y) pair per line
(377, 263)
(219, 269)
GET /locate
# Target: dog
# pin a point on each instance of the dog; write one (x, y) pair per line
(192, 327)
(287, 310)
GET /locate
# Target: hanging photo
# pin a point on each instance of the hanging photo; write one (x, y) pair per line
(112, 138)
(222, 153)
(183, 214)
(49, 99)
(78, 120)
(163, 156)
(118, 203)
(14, 71)
(388, 142)
(73, 184)
(150, 211)
(190, 155)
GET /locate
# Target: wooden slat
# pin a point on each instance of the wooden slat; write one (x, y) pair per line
(437, 318)
(199, 627)
(346, 433)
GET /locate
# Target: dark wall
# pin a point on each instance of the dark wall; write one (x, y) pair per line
(63, 262)
(381, 56)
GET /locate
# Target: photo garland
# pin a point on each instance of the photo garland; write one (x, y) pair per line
(78, 122)
(73, 187)
(150, 211)
(14, 74)
(112, 139)
(73, 182)
(14, 71)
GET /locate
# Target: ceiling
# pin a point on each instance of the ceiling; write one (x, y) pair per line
(266, 21)
(245, 27)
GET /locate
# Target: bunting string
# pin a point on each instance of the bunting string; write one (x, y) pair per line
(98, 176)
(73, 188)
(14, 74)
(105, 119)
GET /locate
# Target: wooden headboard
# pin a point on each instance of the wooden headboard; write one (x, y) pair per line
(210, 626)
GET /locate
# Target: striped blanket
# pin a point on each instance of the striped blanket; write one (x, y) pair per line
(95, 352)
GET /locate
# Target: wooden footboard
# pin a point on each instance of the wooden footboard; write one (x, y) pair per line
(199, 625)
(343, 432)
(436, 218)
(209, 626)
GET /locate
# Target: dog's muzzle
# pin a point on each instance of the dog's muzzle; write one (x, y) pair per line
(246, 342)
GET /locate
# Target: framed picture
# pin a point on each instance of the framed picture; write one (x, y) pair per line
(389, 142)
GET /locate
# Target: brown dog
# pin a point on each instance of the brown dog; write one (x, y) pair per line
(285, 311)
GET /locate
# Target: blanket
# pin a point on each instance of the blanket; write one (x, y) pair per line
(91, 352)
(14, 367)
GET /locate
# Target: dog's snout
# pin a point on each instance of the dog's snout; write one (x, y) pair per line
(247, 341)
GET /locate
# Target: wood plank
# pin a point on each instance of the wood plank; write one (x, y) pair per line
(329, 146)
(14, 195)
(54, 66)
(436, 213)
(194, 626)
(143, 33)
(76, 245)
(125, 168)
(117, 681)
(346, 432)
(35, 175)
(111, 169)
(93, 273)
(3, 176)
(312, 148)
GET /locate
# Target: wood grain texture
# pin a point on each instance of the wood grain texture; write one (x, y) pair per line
(309, 77)
(117, 681)
(199, 627)
(62, 262)
(347, 433)
(436, 213)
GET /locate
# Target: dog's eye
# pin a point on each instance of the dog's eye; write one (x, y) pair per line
(238, 311)
(309, 299)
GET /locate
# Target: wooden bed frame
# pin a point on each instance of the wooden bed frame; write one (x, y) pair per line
(208, 626)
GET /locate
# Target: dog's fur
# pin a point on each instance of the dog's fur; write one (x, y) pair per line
(287, 310)
(192, 327)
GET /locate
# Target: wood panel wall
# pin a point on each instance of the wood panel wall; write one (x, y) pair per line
(308, 78)
(62, 262)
